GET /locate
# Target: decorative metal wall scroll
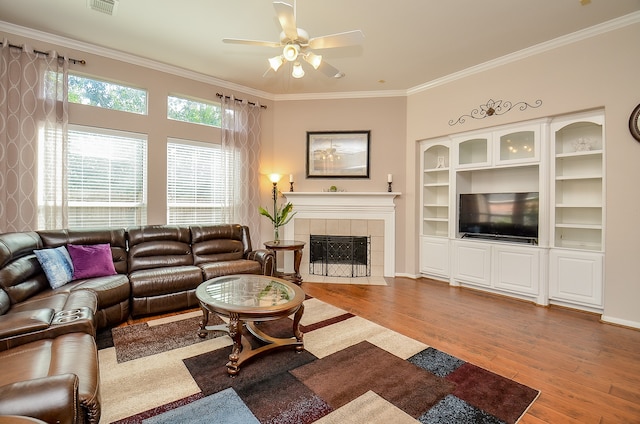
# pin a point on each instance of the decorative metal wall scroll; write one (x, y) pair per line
(492, 107)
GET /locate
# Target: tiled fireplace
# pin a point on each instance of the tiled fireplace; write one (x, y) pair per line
(346, 214)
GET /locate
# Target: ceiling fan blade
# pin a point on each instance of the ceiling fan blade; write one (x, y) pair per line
(329, 70)
(342, 39)
(251, 42)
(287, 19)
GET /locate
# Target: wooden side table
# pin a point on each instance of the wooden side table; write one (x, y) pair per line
(283, 245)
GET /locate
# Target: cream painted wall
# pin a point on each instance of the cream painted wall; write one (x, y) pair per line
(385, 117)
(601, 71)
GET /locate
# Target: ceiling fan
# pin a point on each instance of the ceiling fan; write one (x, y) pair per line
(295, 43)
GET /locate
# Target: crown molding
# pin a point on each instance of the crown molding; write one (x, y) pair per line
(341, 95)
(614, 24)
(128, 58)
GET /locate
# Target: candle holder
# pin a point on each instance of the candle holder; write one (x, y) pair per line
(389, 189)
(290, 185)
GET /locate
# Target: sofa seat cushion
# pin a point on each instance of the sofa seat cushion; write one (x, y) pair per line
(161, 290)
(73, 353)
(241, 266)
(110, 290)
(160, 281)
(113, 293)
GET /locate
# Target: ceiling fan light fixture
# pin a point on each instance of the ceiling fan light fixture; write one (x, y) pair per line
(297, 72)
(313, 59)
(290, 52)
(276, 62)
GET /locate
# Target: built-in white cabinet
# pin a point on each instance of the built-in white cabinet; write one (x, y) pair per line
(516, 269)
(577, 192)
(578, 187)
(576, 278)
(436, 209)
(472, 263)
(560, 159)
(500, 267)
(507, 146)
(435, 255)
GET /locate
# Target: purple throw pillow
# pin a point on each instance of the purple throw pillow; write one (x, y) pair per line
(91, 260)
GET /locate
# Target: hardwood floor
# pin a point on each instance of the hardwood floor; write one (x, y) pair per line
(587, 371)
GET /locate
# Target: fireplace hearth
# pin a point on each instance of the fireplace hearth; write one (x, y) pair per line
(340, 256)
(347, 214)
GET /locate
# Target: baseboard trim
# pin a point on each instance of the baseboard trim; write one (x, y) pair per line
(405, 275)
(621, 322)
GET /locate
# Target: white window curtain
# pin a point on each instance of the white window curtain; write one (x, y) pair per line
(241, 152)
(33, 109)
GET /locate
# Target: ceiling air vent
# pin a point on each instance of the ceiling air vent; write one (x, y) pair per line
(105, 6)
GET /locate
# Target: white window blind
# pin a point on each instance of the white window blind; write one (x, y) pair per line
(107, 178)
(195, 183)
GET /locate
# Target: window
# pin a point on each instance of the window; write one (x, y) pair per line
(106, 177)
(195, 183)
(87, 91)
(196, 112)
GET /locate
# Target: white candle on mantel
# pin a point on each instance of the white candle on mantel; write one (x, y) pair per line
(389, 178)
(290, 178)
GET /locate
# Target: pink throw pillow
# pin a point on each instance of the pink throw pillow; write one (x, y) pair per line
(91, 260)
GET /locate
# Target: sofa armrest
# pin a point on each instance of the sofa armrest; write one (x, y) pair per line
(264, 257)
(23, 327)
(50, 399)
(22, 322)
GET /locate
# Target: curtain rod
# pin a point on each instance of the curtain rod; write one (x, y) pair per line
(239, 100)
(74, 61)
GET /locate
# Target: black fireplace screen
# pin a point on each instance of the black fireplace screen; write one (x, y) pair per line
(340, 256)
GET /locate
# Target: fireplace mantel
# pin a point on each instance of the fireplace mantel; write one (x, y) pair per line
(349, 205)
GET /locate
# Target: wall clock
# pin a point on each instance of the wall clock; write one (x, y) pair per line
(634, 123)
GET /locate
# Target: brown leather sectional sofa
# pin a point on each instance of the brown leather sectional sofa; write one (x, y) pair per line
(48, 356)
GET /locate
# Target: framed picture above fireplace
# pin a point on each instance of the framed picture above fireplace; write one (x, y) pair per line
(338, 154)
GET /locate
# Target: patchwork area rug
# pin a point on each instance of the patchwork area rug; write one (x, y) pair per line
(352, 371)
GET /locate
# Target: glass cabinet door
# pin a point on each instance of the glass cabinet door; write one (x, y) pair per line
(473, 152)
(518, 146)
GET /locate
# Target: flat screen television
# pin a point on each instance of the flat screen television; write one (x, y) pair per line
(499, 214)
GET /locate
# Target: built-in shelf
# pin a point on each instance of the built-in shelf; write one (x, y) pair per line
(435, 198)
(560, 158)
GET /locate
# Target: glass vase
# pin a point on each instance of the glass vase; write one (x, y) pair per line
(276, 235)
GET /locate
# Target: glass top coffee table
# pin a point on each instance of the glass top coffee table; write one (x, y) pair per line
(246, 299)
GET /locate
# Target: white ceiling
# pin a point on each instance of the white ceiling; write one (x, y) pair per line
(408, 43)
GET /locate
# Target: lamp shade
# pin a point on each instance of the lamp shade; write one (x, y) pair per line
(276, 62)
(290, 52)
(297, 72)
(313, 59)
(274, 178)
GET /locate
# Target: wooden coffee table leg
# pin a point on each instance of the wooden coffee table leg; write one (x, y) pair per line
(296, 327)
(202, 333)
(235, 332)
